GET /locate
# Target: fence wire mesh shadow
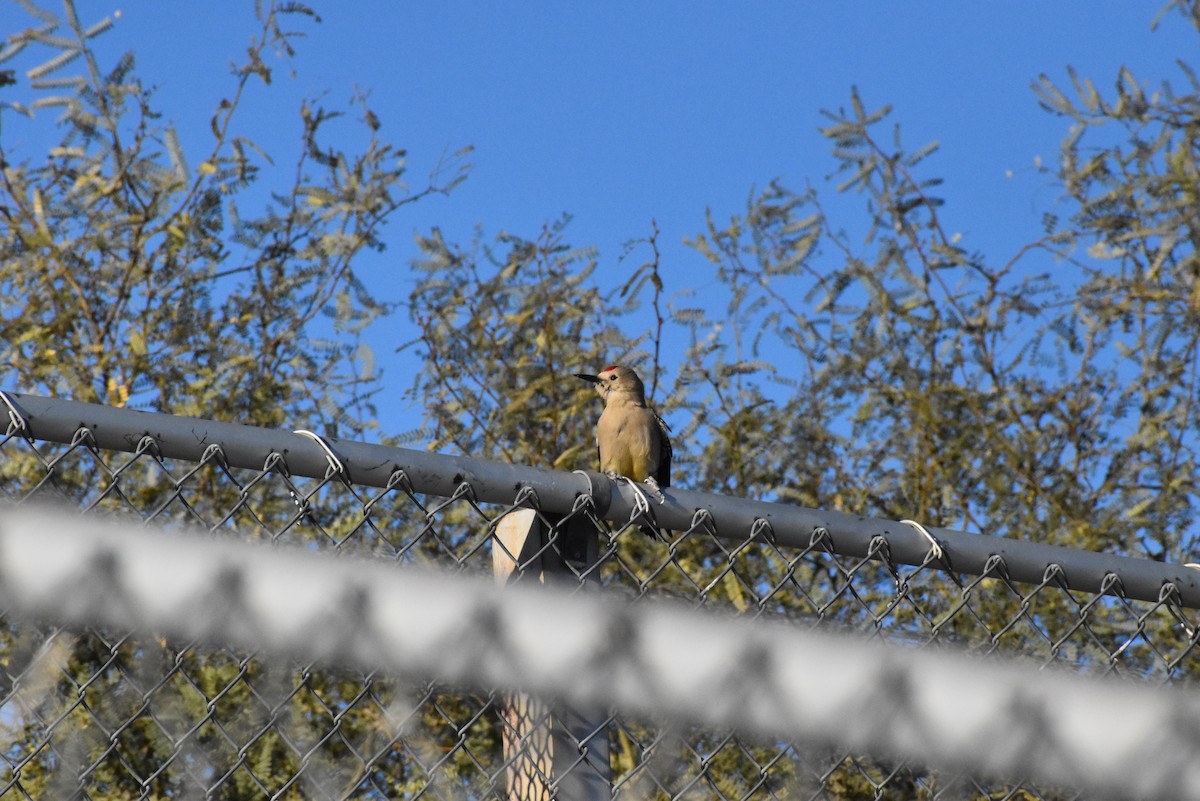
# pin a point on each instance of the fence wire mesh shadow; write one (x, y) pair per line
(102, 714)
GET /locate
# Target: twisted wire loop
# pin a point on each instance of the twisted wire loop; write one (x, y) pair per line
(881, 549)
(762, 530)
(703, 520)
(148, 445)
(361, 650)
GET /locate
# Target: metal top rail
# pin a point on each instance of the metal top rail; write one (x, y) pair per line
(196, 439)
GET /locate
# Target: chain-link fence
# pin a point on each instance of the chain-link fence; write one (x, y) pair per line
(304, 702)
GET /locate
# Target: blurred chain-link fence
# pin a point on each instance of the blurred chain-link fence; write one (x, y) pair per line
(102, 713)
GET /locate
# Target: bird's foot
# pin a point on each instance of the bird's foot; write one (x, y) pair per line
(642, 510)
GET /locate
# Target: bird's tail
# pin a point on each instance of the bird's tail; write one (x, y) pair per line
(653, 532)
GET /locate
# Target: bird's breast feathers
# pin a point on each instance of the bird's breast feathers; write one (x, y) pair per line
(627, 442)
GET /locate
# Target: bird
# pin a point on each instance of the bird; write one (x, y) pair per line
(633, 442)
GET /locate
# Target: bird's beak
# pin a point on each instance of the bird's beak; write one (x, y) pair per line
(595, 379)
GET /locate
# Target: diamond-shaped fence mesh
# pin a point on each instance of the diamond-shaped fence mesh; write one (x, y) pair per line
(97, 712)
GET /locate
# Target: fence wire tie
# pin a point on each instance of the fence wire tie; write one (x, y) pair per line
(335, 466)
(591, 490)
(15, 418)
(584, 501)
(599, 496)
(934, 548)
(1190, 629)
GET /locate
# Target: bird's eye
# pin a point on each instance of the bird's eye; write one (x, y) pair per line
(612, 378)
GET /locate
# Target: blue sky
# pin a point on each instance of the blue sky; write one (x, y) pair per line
(621, 112)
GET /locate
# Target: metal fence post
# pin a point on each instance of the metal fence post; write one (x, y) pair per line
(553, 752)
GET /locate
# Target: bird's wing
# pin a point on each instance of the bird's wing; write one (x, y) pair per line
(599, 458)
(663, 474)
